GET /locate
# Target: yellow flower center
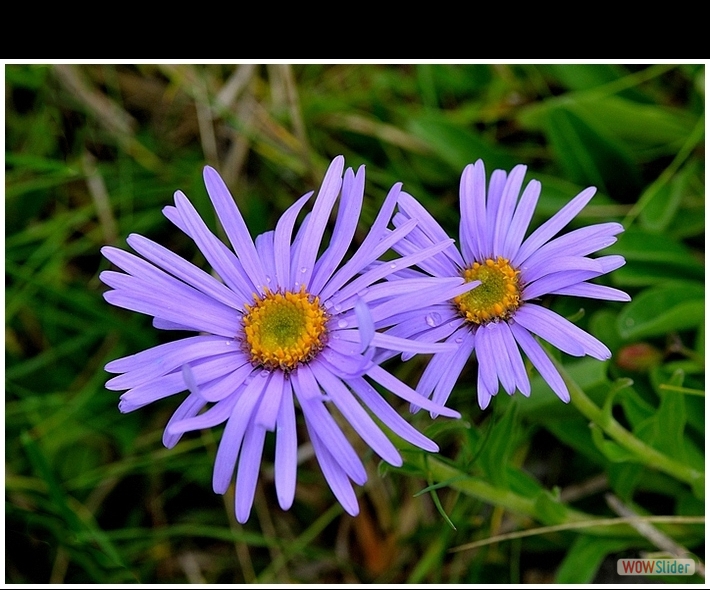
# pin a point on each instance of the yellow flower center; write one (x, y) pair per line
(284, 329)
(498, 295)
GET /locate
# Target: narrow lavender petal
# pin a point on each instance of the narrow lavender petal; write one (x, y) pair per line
(610, 263)
(467, 223)
(218, 413)
(484, 396)
(521, 218)
(201, 316)
(328, 193)
(344, 231)
(486, 355)
(285, 458)
(540, 361)
(184, 270)
(225, 263)
(380, 408)
(427, 224)
(496, 186)
(268, 410)
(435, 369)
(190, 407)
(425, 318)
(553, 225)
(219, 389)
(296, 245)
(366, 326)
(516, 360)
(282, 242)
(432, 295)
(362, 258)
(558, 264)
(506, 208)
(346, 366)
(401, 344)
(162, 354)
(476, 194)
(161, 324)
(165, 386)
(314, 410)
(591, 345)
(504, 366)
(385, 269)
(248, 471)
(579, 242)
(444, 264)
(264, 244)
(234, 226)
(398, 388)
(335, 475)
(552, 283)
(549, 328)
(358, 418)
(458, 361)
(593, 291)
(164, 359)
(233, 435)
(405, 287)
(371, 248)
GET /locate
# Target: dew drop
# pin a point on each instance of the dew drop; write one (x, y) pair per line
(303, 270)
(342, 324)
(393, 265)
(433, 319)
(268, 279)
(328, 304)
(459, 340)
(337, 307)
(335, 336)
(264, 373)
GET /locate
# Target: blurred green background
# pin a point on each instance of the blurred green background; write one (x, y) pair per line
(93, 153)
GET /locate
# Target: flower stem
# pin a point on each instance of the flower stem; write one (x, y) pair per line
(644, 453)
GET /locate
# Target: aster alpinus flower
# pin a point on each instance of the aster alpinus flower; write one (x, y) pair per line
(282, 326)
(501, 316)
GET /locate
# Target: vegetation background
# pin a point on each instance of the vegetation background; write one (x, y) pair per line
(93, 153)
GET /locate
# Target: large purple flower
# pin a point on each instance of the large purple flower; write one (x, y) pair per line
(498, 318)
(285, 325)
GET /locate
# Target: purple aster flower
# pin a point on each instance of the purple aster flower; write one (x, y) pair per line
(498, 318)
(283, 326)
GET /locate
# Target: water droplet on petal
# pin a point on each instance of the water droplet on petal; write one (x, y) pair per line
(337, 307)
(268, 279)
(342, 324)
(303, 269)
(393, 265)
(459, 340)
(264, 373)
(335, 335)
(328, 304)
(433, 319)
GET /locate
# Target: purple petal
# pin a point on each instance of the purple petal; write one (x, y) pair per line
(554, 332)
(508, 200)
(536, 316)
(267, 413)
(184, 270)
(553, 225)
(540, 361)
(234, 226)
(358, 418)
(305, 385)
(593, 291)
(190, 407)
(248, 471)
(219, 389)
(233, 434)
(334, 473)
(322, 207)
(217, 254)
(521, 219)
(218, 413)
(282, 242)
(285, 460)
(385, 413)
(487, 370)
(394, 385)
(496, 186)
(366, 327)
(264, 244)
(516, 360)
(504, 367)
(558, 264)
(344, 231)
(458, 361)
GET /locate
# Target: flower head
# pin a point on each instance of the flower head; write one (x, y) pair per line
(284, 325)
(499, 317)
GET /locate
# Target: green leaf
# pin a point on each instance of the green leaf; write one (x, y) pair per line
(675, 306)
(659, 211)
(586, 554)
(612, 451)
(496, 452)
(549, 509)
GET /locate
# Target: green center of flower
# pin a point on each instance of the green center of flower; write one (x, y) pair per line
(496, 298)
(284, 329)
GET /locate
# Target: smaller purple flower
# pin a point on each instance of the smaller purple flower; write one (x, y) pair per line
(498, 318)
(284, 327)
